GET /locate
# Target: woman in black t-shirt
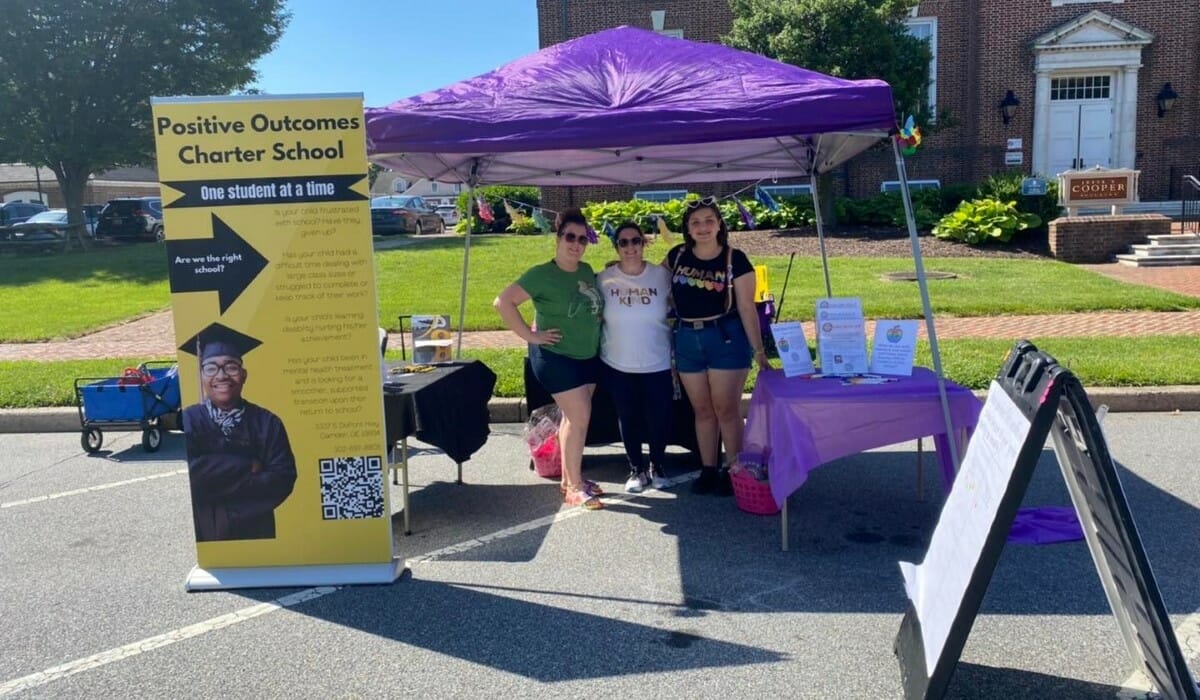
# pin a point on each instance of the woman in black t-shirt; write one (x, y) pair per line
(717, 335)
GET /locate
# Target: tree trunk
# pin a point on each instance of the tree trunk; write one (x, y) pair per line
(72, 182)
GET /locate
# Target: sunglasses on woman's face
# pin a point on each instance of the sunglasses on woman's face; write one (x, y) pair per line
(704, 202)
(626, 242)
(580, 238)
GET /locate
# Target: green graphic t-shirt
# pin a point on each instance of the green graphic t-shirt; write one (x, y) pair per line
(568, 301)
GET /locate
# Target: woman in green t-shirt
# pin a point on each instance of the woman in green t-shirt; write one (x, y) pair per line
(563, 350)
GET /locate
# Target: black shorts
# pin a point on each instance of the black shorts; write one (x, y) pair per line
(559, 373)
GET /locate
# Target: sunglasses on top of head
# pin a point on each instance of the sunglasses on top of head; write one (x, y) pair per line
(702, 202)
(626, 242)
(580, 238)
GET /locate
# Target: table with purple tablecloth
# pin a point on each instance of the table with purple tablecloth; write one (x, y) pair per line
(808, 422)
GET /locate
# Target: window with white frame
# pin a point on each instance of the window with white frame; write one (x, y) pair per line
(787, 190)
(926, 28)
(673, 33)
(894, 185)
(660, 195)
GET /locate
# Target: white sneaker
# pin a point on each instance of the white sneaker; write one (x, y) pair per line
(657, 480)
(636, 483)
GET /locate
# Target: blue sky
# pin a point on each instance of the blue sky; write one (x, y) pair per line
(390, 49)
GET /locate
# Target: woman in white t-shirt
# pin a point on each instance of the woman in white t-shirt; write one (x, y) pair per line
(635, 346)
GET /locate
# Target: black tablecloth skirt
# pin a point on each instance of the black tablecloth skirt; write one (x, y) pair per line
(447, 408)
(603, 428)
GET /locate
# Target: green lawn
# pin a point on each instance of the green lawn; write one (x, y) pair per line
(63, 296)
(1151, 361)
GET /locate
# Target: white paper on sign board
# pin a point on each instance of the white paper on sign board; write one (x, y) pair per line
(1015, 144)
(937, 586)
(793, 348)
(894, 348)
(1014, 157)
(841, 336)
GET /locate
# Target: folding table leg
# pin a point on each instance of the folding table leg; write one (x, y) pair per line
(404, 490)
(459, 480)
(783, 522)
(920, 470)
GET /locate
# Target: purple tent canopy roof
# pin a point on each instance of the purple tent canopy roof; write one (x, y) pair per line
(628, 88)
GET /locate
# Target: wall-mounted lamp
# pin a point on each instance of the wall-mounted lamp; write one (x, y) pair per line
(1165, 99)
(1008, 106)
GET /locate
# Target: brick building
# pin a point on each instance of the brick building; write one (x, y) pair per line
(22, 183)
(1087, 74)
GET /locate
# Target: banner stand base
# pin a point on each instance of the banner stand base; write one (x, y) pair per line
(199, 579)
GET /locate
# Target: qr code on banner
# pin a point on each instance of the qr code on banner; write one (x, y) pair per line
(351, 487)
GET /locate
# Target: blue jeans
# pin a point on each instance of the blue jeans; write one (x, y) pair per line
(643, 403)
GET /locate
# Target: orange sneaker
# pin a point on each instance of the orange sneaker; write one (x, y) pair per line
(584, 499)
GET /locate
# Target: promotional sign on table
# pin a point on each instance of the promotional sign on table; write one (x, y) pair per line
(895, 347)
(793, 348)
(270, 262)
(841, 335)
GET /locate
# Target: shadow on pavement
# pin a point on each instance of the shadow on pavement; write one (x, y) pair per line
(536, 641)
(983, 682)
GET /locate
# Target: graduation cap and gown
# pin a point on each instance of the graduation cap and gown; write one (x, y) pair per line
(241, 468)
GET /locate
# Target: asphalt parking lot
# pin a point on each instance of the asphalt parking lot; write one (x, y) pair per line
(661, 595)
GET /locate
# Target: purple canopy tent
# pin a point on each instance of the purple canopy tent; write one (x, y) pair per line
(630, 106)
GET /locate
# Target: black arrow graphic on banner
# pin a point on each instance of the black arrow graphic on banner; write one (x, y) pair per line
(225, 263)
(294, 189)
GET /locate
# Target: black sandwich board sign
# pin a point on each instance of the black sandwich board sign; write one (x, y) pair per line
(1032, 397)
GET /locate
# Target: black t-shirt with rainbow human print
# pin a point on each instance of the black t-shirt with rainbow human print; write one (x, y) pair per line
(698, 286)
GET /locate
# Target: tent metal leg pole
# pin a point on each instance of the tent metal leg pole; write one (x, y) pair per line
(462, 299)
(821, 235)
(902, 175)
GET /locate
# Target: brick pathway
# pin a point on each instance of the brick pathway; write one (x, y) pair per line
(152, 337)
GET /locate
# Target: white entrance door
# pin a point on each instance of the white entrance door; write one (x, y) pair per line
(1081, 124)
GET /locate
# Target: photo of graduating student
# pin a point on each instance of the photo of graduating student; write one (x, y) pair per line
(240, 462)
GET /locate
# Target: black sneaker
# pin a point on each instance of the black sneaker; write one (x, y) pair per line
(723, 487)
(706, 482)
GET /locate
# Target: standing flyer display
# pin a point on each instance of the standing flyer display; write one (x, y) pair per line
(272, 280)
(895, 347)
(841, 335)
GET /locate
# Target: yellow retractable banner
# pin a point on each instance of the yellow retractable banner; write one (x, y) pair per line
(269, 253)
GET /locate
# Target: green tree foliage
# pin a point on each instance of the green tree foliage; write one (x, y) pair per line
(851, 39)
(76, 76)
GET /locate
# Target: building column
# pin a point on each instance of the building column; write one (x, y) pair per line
(1125, 129)
(1040, 151)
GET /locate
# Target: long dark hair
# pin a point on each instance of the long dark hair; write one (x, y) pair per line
(693, 207)
(569, 216)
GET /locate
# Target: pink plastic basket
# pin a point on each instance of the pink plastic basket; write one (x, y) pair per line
(752, 495)
(547, 458)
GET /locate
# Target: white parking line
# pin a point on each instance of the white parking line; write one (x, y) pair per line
(90, 489)
(127, 651)
(1137, 685)
(130, 650)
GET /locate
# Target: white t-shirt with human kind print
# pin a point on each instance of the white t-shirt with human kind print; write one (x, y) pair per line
(635, 337)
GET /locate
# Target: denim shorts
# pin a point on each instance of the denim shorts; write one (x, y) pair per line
(722, 345)
(559, 373)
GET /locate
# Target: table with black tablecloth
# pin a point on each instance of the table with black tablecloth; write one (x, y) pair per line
(603, 426)
(446, 407)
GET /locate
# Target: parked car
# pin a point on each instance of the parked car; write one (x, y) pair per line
(131, 218)
(449, 215)
(91, 213)
(16, 212)
(47, 230)
(404, 215)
